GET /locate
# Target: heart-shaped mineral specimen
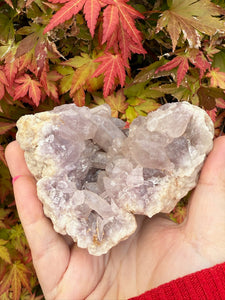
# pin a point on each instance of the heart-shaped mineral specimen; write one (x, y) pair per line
(93, 176)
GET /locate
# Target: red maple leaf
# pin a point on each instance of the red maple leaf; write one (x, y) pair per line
(48, 81)
(3, 78)
(200, 62)
(127, 45)
(110, 22)
(71, 8)
(29, 86)
(119, 16)
(179, 61)
(220, 102)
(212, 113)
(112, 66)
(127, 15)
(91, 11)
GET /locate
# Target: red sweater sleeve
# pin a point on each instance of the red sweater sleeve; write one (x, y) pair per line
(205, 284)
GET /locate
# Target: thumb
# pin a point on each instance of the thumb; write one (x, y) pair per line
(206, 213)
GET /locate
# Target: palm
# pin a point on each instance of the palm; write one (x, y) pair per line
(158, 252)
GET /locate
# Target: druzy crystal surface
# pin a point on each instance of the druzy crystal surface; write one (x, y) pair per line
(93, 176)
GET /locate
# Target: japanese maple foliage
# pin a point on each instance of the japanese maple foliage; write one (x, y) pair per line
(132, 55)
(119, 32)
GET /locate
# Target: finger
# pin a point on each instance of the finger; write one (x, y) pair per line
(49, 251)
(206, 212)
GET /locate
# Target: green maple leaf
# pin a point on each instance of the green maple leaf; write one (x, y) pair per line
(4, 253)
(131, 114)
(146, 107)
(189, 17)
(17, 238)
(81, 77)
(6, 28)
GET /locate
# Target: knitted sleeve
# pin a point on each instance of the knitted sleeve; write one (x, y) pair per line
(205, 284)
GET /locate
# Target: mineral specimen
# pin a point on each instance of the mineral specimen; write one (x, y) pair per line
(93, 176)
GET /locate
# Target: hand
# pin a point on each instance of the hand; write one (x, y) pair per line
(158, 252)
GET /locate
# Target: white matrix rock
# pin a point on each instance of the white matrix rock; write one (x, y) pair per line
(93, 176)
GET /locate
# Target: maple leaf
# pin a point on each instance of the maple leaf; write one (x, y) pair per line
(11, 67)
(4, 253)
(82, 76)
(127, 15)
(217, 78)
(199, 60)
(71, 8)
(146, 107)
(26, 44)
(79, 97)
(117, 103)
(220, 103)
(15, 278)
(40, 55)
(25, 61)
(30, 86)
(127, 45)
(206, 98)
(112, 66)
(91, 11)
(179, 61)
(4, 127)
(17, 238)
(3, 78)
(212, 113)
(189, 17)
(2, 90)
(219, 124)
(48, 81)
(66, 81)
(110, 21)
(178, 214)
(131, 114)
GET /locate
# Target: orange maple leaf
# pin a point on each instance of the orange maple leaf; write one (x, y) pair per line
(11, 67)
(14, 279)
(29, 86)
(117, 103)
(217, 78)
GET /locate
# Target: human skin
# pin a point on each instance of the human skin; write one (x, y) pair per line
(158, 252)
